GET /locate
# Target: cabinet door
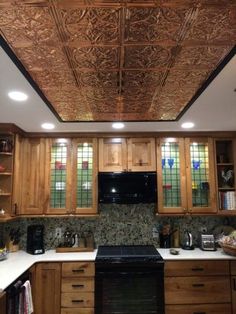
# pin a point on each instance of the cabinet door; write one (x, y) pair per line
(141, 154)
(225, 151)
(233, 285)
(84, 176)
(3, 303)
(32, 176)
(58, 176)
(6, 173)
(171, 176)
(48, 283)
(112, 154)
(201, 189)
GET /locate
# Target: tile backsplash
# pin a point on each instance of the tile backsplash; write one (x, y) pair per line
(117, 224)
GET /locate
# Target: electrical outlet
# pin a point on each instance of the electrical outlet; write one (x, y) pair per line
(155, 233)
(58, 233)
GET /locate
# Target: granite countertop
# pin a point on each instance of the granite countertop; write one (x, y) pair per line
(18, 262)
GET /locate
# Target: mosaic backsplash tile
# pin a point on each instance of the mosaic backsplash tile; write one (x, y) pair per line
(118, 224)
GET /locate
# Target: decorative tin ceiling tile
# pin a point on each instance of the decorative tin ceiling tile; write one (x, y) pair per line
(95, 58)
(201, 57)
(90, 25)
(149, 25)
(136, 107)
(105, 60)
(146, 57)
(214, 25)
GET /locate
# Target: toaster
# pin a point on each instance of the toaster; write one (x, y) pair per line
(207, 242)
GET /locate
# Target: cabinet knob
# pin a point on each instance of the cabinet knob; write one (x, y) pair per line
(184, 209)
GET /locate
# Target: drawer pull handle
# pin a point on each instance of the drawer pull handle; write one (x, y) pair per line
(234, 284)
(197, 269)
(77, 286)
(77, 301)
(199, 312)
(198, 285)
(78, 270)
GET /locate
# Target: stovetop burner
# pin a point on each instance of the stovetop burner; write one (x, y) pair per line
(128, 253)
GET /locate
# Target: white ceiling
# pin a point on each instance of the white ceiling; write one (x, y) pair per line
(214, 110)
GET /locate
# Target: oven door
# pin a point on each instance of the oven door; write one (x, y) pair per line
(129, 290)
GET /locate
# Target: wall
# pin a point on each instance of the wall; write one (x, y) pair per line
(117, 224)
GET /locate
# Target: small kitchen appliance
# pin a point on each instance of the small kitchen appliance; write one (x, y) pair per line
(207, 242)
(35, 239)
(188, 241)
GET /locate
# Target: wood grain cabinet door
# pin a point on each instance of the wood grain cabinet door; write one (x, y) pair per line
(47, 288)
(112, 154)
(233, 285)
(3, 303)
(141, 154)
(32, 165)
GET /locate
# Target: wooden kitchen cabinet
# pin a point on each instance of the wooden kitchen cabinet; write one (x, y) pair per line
(32, 176)
(47, 283)
(71, 176)
(233, 285)
(225, 158)
(197, 287)
(3, 308)
(186, 180)
(7, 142)
(77, 288)
(131, 154)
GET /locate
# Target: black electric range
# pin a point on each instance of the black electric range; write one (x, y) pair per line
(129, 279)
(128, 254)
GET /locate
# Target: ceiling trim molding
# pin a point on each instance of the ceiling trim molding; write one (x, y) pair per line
(212, 76)
(26, 74)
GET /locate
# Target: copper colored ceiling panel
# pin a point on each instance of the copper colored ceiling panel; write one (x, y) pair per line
(104, 60)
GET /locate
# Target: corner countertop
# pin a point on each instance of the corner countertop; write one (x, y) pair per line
(18, 262)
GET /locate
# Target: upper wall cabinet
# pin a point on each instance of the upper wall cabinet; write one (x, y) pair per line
(7, 143)
(132, 154)
(71, 176)
(225, 153)
(31, 187)
(186, 181)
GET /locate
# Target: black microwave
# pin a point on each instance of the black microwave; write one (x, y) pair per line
(127, 187)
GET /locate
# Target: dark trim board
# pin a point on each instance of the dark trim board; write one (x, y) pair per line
(28, 77)
(212, 76)
(26, 74)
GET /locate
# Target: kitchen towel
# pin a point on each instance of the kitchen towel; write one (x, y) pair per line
(28, 302)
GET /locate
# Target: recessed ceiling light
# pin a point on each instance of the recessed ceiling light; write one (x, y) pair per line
(17, 96)
(118, 125)
(187, 125)
(48, 126)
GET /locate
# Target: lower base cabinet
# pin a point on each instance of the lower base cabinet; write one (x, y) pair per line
(233, 285)
(77, 288)
(197, 287)
(198, 309)
(47, 283)
(3, 309)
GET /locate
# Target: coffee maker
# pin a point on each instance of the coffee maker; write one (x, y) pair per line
(35, 241)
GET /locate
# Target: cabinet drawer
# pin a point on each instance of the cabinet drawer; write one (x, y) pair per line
(77, 284)
(199, 309)
(196, 268)
(77, 311)
(78, 269)
(77, 299)
(233, 267)
(193, 290)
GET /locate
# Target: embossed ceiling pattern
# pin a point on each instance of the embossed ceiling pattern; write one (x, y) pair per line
(119, 60)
